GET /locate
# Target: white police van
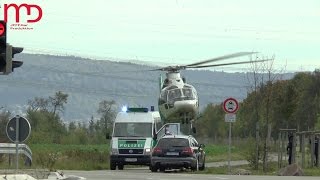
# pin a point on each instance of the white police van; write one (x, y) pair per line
(132, 137)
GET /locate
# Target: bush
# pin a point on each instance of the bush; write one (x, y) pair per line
(250, 153)
(47, 159)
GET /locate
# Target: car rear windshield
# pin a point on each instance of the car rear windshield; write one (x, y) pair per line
(173, 142)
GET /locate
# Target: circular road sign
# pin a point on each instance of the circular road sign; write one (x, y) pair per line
(230, 105)
(24, 129)
(2, 29)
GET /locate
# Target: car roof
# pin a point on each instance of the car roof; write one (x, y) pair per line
(177, 136)
(137, 117)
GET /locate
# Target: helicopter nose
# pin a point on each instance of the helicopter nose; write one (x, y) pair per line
(185, 105)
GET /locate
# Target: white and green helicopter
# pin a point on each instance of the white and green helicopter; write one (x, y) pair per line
(179, 101)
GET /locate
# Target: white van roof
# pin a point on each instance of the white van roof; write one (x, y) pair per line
(142, 117)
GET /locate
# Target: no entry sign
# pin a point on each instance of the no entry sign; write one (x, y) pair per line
(230, 105)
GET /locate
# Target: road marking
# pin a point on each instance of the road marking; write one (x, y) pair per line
(220, 178)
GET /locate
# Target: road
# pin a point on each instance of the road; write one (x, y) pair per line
(144, 173)
(134, 174)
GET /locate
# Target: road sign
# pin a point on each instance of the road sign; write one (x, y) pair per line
(24, 129)
(230, 105)
(230, 117)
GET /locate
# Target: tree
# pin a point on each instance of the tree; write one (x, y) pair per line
(4, 118)
(211, 123)
(38, 103)
(58, 101)
(47, 126)
(72, 126)
(107, 112)
(91, 127)
(257, 69)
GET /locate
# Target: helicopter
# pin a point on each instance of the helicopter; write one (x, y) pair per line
(178, 100)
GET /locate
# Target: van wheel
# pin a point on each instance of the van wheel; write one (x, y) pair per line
(120, 166)
(113, 165)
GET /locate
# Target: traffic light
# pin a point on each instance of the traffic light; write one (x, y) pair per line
(3, 45)
(16, 50)
(7, 52)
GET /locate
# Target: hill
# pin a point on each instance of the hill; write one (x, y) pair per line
(89, 81)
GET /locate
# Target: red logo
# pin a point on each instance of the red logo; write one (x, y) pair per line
(17, 9)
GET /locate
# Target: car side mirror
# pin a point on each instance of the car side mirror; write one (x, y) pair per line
(108, 135)
(155, 136)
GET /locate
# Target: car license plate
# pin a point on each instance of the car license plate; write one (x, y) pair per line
(172, 153)
(130, 159)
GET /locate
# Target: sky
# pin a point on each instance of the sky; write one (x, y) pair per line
(170, 32)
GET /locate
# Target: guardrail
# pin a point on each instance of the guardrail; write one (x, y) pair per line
(10, 148)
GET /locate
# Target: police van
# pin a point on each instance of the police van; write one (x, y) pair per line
(133, 135)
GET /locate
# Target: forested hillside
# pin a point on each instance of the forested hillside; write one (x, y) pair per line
(293, 103)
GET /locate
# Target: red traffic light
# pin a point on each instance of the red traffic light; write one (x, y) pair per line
(2, 28)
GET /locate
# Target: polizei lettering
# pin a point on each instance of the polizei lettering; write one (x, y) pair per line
(130, 146)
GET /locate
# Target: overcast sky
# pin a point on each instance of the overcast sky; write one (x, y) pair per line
(166, 32)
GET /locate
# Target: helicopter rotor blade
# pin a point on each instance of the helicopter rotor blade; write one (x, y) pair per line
(158, 69)
(229, 56)
(169, 68)
(226, 64)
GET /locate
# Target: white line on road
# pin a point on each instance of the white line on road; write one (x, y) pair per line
(220, 178)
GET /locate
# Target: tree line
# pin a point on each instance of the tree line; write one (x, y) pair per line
(48, 127)
(293, 104)
(270, 106)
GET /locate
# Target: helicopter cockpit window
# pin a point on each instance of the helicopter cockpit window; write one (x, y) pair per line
(173, 95)
(188, 94)
(163, 97)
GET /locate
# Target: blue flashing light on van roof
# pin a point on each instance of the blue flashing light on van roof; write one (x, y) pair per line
(137, 110)
(124, 109)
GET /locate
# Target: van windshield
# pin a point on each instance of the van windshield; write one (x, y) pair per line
(132, 130)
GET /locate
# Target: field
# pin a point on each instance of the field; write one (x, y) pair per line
(96, 157)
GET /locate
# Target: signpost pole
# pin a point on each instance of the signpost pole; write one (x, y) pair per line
(229, 154)
(230, 106)
(17, 142)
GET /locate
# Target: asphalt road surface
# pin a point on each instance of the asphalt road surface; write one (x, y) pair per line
(137, 174)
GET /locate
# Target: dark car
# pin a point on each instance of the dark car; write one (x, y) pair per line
(176, 152)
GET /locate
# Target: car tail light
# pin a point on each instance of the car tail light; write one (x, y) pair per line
(187, 151)
(156, 151)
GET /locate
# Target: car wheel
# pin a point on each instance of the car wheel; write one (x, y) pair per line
(196, 167)
(113, 165)
(153, 168)
(162, 169)
(120, 166)
(201, 168)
